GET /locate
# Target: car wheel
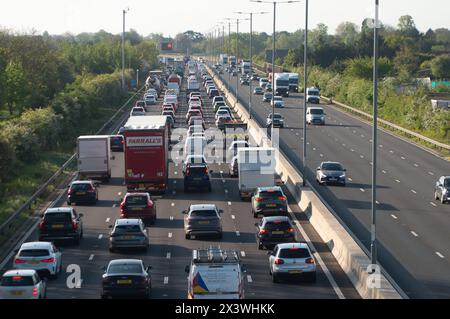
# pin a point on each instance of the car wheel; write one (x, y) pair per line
(69, 203)
(111, 250)
(260, 246)
(274, 278)
(442, 199)
(209, 189)
(187, 236)
(76, 241)
(255, 214)
(219, 236)
(436, 197)
(313, 277)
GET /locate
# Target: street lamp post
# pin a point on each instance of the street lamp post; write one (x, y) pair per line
(229, 52)
(305, 81)
(123, 47)
(251, 58)
(137, 78)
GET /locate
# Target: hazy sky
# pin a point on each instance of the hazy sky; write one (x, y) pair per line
(173, 16)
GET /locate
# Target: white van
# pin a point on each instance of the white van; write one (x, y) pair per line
(215, 274)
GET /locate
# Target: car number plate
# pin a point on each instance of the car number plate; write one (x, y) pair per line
(197, 179)
(332, 178)
(204, 222)
(128, 237)
(295, 271)
(58, 226)
(278, 232)
(124, 282)
(271, 205)
(136, 208)
(81, 193)
(33, 262)
(17, 293)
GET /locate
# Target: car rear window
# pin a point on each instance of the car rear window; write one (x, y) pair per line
(136, 200)
(34, 253)
(58, 217)
(294, 253)
(123, 229)
(332, 167)
(282, 225)
(273, 194)
(197, 170)
(125, 268)
(17, 281)
(203, 213)
(81, 187)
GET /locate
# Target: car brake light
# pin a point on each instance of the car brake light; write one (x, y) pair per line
(35, 292)
(187, 172)
(282, 198)
(279, 261)
(41, 225)
(291, 230)
(69, 192)
(310, 261)
(74, 225)
(49, 260)
(149, 204)
(206, 170)
(259, 199)
(19, 261)
(262, 232)
(17, 278)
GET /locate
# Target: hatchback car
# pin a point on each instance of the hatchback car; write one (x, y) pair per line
(244, 81)
(213, 93)
(22, 284)
(442, 189)
(277, 122)
(277, 101)
(267, 97)
(263, 82)
(222, 111)
(222, 120)
(193, 159)
(293, 259)
(274, 230)
(128, 233)
(140, 103)
(202, 220)
(258, 90)
(126, 278)
(217, 99)
(62, 223)
(331, 173)
(116, 142)
(197, 176)
(137, 111)
(138, 205)
(269, 201)
(217, 105)
(150, 100)
(81, 192)
(43, 257)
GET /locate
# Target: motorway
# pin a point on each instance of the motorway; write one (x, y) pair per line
(170, 252)
(412, 228)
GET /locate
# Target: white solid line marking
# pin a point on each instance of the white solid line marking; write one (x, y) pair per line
(393, 216)
(168, 255)
(100, 236)
(412, 190)
(166, 280)
(170, 235)
(238, 233)
(108, 219)
(249, 279)
(324, 267)
(397, 181)
(433, 204)
(414, 234)
(243, 253)
(91, 257)
(440, 255)
(362, 190)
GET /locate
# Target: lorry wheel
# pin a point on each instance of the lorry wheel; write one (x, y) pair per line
(187, 236)
(255, 215)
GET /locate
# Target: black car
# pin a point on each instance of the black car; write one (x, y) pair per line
(244, 81)
(116, 142)
(274, 230)
(197, 176)
(126, 278)
(63, 223)
(213, 93)
(82, 192)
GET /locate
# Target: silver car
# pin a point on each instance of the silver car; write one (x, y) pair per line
(22, 284)
(43, 257)
(331, 173)
(292, 259)
(128, 233)
(203, 219)
(442, 189)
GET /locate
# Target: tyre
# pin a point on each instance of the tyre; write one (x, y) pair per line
(219, 236)
(76, 241)
(442, 199)
(312, 277)
(111, 250)
(274, 278)
(209, 189)
(69, 203)
(255, 214)
(187, 236)
(260, 245)
(436, 197)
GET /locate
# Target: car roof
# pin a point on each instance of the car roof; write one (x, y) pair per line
(127, 221)
(293, 245)
(125, 261)
(19, 272)
(202, 207)
(273, 218)
(136, 194)
(59, 210)
(273, 188)
(315, 108)
(328, 162)
(36, 245)
(88, 181)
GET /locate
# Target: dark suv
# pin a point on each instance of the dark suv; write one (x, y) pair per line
(138, 205)
(82, 192)
(269, 201)
(62, 223)
(274, 230)
(197, 176)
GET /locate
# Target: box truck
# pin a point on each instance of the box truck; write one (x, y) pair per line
(146, 153)
(293, 82)
(245, 67)
(232, 60)
(94, 153)
(224, 59)
(281, 85)
(256, 167)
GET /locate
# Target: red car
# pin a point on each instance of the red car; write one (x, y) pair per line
(138, 205)
(192, 113)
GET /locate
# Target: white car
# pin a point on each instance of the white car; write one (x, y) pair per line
(222, 112)
(227, 108)
(41, 256)
(22, 284)
(150, 99)
(315, 115)
(153, 92)
(277, 101)
(137, 111)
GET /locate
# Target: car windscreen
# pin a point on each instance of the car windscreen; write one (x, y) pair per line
(17, 281)
(277, 98)
(136, 201)
(81, 187)
(316, 111)
(447, 182)
(274, 194)
(34, 253)
(281, 225)
(58, 217)
(125, 269)
(294, 253)
(277, 116)
(124, 229)
(268, 95)
(331, 167)
(314, 93)
(203, 213)
(219, 98)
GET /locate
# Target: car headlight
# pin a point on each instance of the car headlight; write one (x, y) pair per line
(342, 176)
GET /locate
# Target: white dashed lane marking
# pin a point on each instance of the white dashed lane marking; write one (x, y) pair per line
(393, 216)
(433, 204)
(91, 257)
(413, 191)
(440, 255)
(108, 219)
(168, 255)
(166, 280)
(414, 234)
(249, 279)
(243, 253)
(170, 235)
(100, 236)
(362, 190)
(238, 233)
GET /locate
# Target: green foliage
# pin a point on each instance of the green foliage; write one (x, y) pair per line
(363, 67)
(440, 66)
(16, 86)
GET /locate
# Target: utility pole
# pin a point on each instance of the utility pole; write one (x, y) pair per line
(305, 81)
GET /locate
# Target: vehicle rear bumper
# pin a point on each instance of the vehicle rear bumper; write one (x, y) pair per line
(273, 242)
(124, 292)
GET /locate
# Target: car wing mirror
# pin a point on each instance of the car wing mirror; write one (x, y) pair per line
(186, 269)
(184, 212)
(345, 170)
(270, 253)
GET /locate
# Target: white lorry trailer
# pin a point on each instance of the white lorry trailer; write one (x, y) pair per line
(93, 155)
(281, 86)
(256, 167)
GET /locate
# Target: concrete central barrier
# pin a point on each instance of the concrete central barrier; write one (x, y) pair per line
(350, 256)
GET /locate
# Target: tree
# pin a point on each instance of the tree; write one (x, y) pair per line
(348, 33)
(406, 62)
(440, 66)
(2, 75)
(407, 26)
(15, 86)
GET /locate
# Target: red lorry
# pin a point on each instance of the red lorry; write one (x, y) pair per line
(146, 153)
